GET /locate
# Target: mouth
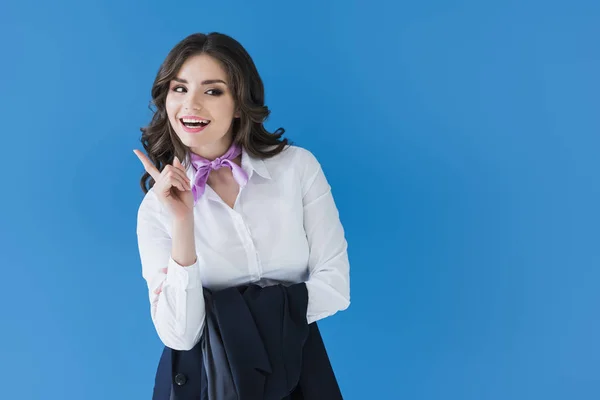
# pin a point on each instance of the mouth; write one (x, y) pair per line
(193, 125)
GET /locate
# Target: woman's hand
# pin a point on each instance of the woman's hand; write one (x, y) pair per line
(172, 186)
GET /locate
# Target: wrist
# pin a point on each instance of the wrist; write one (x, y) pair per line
(187, 219)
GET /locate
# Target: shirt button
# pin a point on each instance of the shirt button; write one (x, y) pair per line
(180, 379)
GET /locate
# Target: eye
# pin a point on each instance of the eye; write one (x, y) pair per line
(217, 92)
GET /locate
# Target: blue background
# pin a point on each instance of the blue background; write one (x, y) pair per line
(461, 140)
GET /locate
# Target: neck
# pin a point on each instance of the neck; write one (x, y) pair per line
(213, 150)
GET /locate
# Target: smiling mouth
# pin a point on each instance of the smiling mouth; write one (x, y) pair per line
(197, 124)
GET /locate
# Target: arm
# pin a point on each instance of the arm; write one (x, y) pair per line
(329, 280)
(171, 270)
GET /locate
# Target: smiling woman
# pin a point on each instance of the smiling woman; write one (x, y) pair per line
(241, 244)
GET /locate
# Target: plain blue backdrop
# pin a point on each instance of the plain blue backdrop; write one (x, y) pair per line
(461, 141)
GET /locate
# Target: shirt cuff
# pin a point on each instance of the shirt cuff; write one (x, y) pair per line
(183, 277)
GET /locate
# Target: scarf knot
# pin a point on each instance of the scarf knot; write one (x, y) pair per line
(203, 167)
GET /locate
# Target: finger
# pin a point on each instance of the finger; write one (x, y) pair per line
(148, 166)
(175, 180)
(180, 173)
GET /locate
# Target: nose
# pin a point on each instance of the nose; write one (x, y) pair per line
(192, 103)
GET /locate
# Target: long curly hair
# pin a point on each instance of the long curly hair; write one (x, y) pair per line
(159, 139)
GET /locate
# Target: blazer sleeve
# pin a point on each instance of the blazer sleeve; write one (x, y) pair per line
(328, 284)
(175, 291)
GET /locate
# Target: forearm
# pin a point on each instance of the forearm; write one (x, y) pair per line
(183, 248)
(179, 312)
(172, 271)
(329, 287)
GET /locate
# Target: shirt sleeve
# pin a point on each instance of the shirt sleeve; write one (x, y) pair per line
(175, 291)
(328, 284)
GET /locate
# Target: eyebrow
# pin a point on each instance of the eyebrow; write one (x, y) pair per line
(205, 82)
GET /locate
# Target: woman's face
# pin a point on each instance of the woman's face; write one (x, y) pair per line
(200, 89)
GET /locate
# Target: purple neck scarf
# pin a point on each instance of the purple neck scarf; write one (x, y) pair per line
(203, 167)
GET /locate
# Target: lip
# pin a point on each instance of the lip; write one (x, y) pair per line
(193, 130)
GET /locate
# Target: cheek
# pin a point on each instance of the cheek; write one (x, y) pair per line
(225, 110)
(172, 107)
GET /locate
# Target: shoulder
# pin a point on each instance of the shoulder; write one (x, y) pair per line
(295, 157)
(305, 156)
(296, 163)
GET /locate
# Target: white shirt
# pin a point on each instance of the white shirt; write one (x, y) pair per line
(284, 228)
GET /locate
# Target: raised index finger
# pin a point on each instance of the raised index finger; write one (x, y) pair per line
(148, 166)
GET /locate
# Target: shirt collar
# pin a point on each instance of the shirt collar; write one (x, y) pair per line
(250, 163)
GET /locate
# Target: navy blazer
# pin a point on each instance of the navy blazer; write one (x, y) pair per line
(256, 345)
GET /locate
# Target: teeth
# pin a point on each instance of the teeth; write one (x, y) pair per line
(205, 121)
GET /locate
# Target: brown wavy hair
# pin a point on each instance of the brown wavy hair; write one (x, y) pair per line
(158, 138)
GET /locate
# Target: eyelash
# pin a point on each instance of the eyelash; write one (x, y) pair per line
(218, 92)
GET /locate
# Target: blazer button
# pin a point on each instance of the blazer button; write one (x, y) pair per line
(180, 379)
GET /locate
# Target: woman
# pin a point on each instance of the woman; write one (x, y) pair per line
(267, 218)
